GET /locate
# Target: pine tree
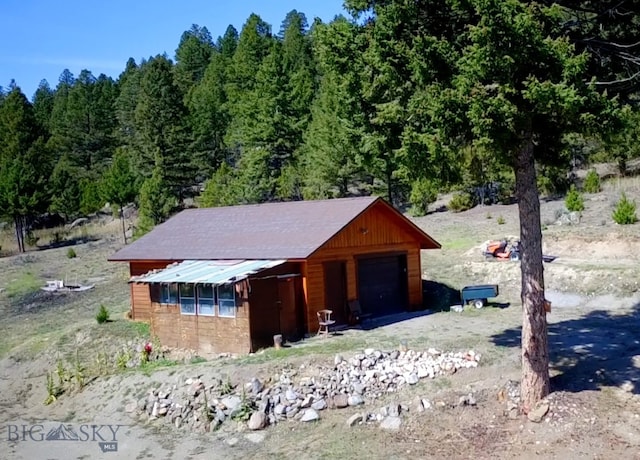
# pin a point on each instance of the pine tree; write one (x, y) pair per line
(270, 118)
(83, 121)
(90, 196)
(221, 189)
(254, 44)
(64, 189)
(43, 105)
(495, 74)
(209, 117)
(161, 127)
(126, 102)
(260, 131)
(331, 157)
(23, 163)
(298, 69)
(192, 57)
(227, 44)
(118, 184)
(156, 203)
(60, 141)
(331, 149)
(91, 120)
(523, 87)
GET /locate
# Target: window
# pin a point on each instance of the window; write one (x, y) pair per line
(206, 300)
(227, 300)
(187, 299)
(169, 293)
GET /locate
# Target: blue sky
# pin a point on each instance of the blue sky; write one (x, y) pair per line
(40, 38)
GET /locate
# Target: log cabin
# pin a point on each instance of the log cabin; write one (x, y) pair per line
(229, 279)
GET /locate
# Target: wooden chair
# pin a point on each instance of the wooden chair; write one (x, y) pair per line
(324, 320)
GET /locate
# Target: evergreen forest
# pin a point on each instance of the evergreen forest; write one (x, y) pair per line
(403, 98)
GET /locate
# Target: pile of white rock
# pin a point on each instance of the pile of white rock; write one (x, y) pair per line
(205, 406)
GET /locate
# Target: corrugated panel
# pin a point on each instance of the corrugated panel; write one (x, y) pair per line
(207, 271)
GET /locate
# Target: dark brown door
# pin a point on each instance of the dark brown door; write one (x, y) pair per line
(335, 294)
(290, 314)
(265, 312)
(382, 284)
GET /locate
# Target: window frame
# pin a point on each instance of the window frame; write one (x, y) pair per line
(193, 304)
(168, 300)
(220, 298)
(212, 299)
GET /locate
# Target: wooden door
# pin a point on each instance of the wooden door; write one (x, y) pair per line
(265, 312)
(290, 313)
(335, 294)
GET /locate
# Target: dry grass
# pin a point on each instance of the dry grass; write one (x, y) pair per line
(629, 185)
(35, 321)
(105, 227)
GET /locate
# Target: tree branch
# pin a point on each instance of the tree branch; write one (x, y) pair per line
(618, 82)
(605, 44)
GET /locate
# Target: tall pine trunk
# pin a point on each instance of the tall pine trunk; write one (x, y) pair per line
(124, 232)
(18, 222)
(535, 347)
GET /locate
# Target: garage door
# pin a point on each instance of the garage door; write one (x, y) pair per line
(382, 284)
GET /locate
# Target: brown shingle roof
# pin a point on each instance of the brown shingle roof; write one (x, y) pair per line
(288, 230)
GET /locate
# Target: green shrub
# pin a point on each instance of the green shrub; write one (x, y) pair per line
(53, 391)
(500, 220)
(31, 239)
(423, 193)
(79, 371)
(461, 201)
(90, 200)
(197, 360)
(122, 359)
(552, 180)
(574, 201)
(625, 212)
(71, 254)
(103, 315)
(592, 182)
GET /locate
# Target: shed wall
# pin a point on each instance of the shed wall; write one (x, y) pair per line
(375, 232)
(140, 294)
(206, 334)
(214, 334)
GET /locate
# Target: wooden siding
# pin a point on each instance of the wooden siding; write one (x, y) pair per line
(414, 277)
(214, 334)
(205, 334)
(140, 302)
(378, 226)
(140, 267)
(375, 232)
(140, 294)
